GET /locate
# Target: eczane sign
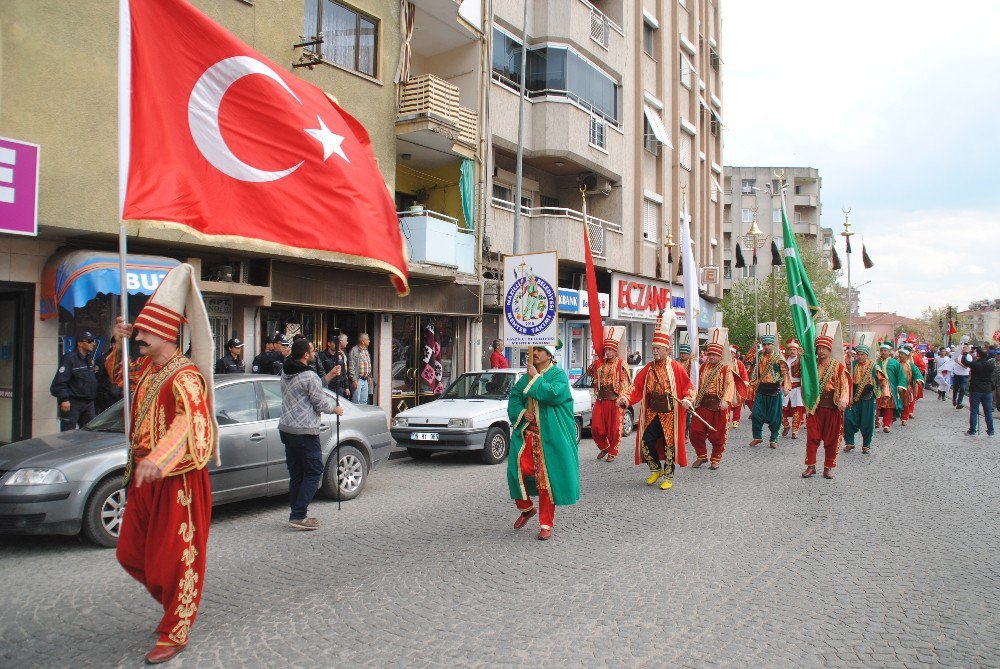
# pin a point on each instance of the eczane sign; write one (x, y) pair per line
(636, 298)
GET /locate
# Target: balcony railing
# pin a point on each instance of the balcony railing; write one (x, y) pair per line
(437, 239)
(601, 26)
(427, 96)
(597, 228)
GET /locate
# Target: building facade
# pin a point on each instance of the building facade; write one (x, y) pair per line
(981, 320)
(751, 194)
(412, 73)
(623, 102)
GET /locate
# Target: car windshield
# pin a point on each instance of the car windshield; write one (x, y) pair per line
(481, 385)
(111, 419)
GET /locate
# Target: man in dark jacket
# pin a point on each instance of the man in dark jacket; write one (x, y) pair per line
(75, 384)
(980, 388)
(269, 361)
(334, 355)
(232, 361)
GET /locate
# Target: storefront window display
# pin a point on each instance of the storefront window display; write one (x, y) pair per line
(425, 352)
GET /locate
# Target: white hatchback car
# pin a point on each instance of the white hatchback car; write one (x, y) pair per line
(472, 415)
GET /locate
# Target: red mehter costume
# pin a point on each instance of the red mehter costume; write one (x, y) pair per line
(654, 385)
(611, 382)
(740, 370)
(164, 531)
(715, 385)
(826, 423)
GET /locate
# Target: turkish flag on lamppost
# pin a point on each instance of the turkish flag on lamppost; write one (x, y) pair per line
(233, 149)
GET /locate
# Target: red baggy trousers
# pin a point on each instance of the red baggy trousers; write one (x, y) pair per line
(826, 425)
(606, 426)
(162, 545)
(546, 509)
(717, 437)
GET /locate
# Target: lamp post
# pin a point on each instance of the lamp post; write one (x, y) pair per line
(755, 239)
(846, 234)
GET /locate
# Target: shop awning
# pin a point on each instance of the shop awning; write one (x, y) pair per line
(73, 278)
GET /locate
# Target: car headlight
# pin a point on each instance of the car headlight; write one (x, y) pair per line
(400, 422)
(36, 477)
(460, 422)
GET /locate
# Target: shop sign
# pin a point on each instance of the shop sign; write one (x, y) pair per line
(569, 300)
(218, 306)
(603, 298)
(530, 299)
(636, 298)
(18, 187)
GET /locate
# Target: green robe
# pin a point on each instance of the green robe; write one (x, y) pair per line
(557, 426)
(894, 373)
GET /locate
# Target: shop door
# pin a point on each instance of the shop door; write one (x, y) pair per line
(424, 358)
(16, 335)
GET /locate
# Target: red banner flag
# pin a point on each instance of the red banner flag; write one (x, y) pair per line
(593, 302)
(231, 148)
(952, 330)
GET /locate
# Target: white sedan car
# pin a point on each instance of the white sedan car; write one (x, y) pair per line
(471, 416)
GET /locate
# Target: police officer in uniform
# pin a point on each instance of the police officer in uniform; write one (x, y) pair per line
(269, 362)
(231, 362)
(75, 384)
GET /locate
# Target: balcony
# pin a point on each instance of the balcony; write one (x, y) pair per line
(594, 32)
(435, 239)
(430, 115)
(554, 229)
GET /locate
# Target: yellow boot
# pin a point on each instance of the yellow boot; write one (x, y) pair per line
(667, 484)
(654, 476)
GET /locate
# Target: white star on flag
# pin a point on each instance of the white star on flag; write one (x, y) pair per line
(331, 142)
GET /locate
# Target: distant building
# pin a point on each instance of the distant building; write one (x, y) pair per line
(746, 188)
(886, 324)
(980, 320)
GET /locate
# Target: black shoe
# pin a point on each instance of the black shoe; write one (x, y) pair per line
(960, 407)
(970, 433)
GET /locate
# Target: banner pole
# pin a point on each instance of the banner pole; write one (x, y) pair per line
(124, 152)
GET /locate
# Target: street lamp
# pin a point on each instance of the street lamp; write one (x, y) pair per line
(755, 239)
(846, 234)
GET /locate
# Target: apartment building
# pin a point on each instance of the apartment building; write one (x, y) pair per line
(748, 197)
(981, 320)
(623, 100)
(412, 73)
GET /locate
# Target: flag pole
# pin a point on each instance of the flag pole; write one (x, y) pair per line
(124, 152)
(846, 234)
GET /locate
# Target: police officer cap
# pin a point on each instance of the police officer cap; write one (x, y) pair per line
(234, 343)
(283, 341)
(275, 338)
(86, 335)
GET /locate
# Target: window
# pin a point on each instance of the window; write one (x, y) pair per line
(649, 141)
(776, 215)
(684, 153)
(272, 399)
(236, 403)
(727, 269)
(747, 185)
(650, 220)
(549, 203)
(501, 192)
(350, 38)
(775, 186)
(685, 72)
(556, 71)
(648, 36)
(598, 132)
(797, 190)
(746, 215)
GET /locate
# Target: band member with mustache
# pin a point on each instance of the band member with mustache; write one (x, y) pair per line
(173, 435)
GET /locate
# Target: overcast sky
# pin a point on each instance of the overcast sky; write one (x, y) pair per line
(897, 103)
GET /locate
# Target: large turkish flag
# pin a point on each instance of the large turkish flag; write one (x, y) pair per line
(227, 145)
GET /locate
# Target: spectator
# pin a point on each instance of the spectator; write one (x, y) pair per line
(359, 363)
(269, 360)
(331, 357)
(981, 370)
(959, 377)
(497, 359)
(75, 384)
(232, 361)
(303, 402)
(634, 357)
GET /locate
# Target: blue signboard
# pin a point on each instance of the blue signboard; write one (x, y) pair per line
(569, 300)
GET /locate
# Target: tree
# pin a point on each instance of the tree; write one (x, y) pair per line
(737, 305)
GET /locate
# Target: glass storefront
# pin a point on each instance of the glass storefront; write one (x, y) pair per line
(426, 352)
(16, 336)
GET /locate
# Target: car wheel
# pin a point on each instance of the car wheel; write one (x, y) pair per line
(579, 429)
(419, 453)
(496, 446)
(628, 423)
(348, 480)
(102, 517)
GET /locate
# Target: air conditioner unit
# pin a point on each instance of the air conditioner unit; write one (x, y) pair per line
(595, 185)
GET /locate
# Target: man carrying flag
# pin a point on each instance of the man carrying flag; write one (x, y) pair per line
(612, 382)
(825, 423)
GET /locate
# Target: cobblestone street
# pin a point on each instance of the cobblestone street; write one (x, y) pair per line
(894, 563)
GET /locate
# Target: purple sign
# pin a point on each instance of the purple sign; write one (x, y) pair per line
(18, 187)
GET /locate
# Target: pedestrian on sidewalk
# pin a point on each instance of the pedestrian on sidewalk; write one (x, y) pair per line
(960, 377)
(359, 364)
(335, 355)
(497, 359)
(75, 384)
(303, 401)
(543, 460)
(981, 369)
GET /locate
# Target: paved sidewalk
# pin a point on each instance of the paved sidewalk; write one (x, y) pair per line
(894, 563)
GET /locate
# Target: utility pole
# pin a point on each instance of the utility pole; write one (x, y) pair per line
(520, 129)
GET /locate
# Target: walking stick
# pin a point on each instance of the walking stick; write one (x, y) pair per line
(693, 412)
(337, 471)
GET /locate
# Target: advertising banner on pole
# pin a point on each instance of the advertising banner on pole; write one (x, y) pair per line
(530, 299)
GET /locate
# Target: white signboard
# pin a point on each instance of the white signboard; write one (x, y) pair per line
(530, 299)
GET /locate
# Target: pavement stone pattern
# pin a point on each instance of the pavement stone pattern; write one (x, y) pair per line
(894, 563)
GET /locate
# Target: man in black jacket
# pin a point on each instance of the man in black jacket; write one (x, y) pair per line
(980, 388)
(75, 384)
(334, 355)
(231, 362)
(269, 361)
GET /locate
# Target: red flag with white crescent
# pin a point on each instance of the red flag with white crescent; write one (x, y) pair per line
(594, 303)
(232, 148)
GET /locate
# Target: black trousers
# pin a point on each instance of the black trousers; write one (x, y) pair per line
(652, 434)
(80, 413)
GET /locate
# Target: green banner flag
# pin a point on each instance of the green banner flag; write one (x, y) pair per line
(804, 306)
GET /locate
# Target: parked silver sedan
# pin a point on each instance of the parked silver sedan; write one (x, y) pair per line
(71, 482)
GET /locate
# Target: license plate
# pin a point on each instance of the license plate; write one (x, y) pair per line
(424, 436)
